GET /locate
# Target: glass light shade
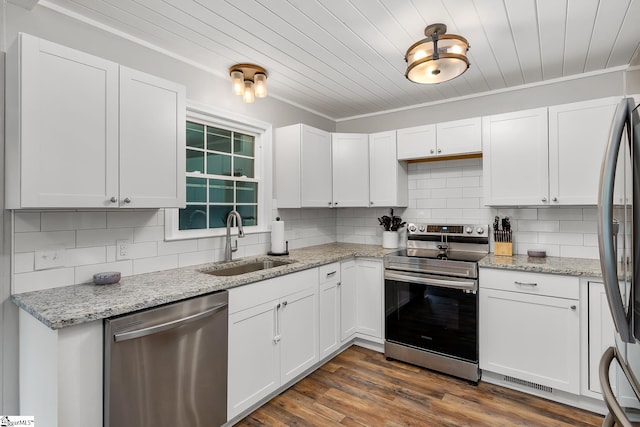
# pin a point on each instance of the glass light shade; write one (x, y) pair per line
(248, 95)
(260, 81)
(451, 59)
(237, 82)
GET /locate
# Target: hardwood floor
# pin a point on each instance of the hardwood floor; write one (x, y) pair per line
(360, 387)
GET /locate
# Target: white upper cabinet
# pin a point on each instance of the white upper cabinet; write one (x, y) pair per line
(388, 183)
(152, 141)
(458, 137)
(578, 136)
(82, 131)
(350, 154)
(515, 158)
(547, 156)
(302, 167)
(416, 142)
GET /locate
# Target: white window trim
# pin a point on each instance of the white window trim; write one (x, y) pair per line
(218, 117)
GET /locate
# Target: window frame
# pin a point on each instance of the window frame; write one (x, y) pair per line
(262, 131)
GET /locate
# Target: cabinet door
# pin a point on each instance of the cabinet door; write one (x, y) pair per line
(298, 324)
(601, 333)
(254, 356)
(388, 177)
(515, 158)
(459, 137)
(369, 307)
(68, 127)
(350, 154)
(152, 141)
(417, 142)
(329, 317)
(531, 337)
(315, 158)
(578, 136)
(348, 297)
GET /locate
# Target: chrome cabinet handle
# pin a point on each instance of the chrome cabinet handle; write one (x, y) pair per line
(113, 199)
(371, 203)
(525, 284)
(339, 284)
(431, 151)
(573, 307)
(127, 200)
(284, 304)
(544, 199)
(276, 338)
(555, 199)
(332, 273)
(439, 150)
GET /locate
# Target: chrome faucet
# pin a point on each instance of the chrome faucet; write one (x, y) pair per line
(228, 250)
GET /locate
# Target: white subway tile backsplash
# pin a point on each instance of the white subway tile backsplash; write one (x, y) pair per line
(43, 279)
(102, 237)
(54, 221)
(23, 262)
(566, 213)
(579, 252)
(84, 256)
(28, 242)
(200, 257)
(149, 234)
(446, 193)
(578, 226)
(541, 226)
(147, 265)
(177, 247)
(138, 218)
(27, 222)
(575, 239)
(469, 181)
(144, 250)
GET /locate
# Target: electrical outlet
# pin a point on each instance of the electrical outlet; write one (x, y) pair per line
(49, 258)
(122, 249)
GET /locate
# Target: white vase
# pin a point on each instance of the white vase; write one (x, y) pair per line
(390, 239)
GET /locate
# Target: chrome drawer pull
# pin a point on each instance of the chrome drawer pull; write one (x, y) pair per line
(332, 273)
(525, 284)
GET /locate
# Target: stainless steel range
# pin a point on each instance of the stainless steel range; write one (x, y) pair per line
(431, 298)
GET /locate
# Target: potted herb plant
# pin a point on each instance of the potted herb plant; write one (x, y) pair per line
(390, 225)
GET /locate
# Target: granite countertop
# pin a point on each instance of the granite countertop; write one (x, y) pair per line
(552, 265)
(73, 305)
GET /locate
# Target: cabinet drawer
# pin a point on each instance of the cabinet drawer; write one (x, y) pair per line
(329, 272)
(530, 283)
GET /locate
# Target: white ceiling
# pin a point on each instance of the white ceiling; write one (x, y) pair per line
(345, 58)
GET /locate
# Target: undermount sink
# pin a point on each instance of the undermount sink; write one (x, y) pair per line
(247, 267)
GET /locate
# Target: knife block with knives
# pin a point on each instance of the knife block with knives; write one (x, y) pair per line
(502, 237)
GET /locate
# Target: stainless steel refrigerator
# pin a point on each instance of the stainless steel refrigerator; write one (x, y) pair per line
(619, 244)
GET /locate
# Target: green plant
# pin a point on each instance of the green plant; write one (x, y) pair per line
(392, 222)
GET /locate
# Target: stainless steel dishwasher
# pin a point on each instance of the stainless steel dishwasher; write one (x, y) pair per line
(167, 366)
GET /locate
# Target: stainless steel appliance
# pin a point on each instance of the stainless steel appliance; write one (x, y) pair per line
(431, 298)
(619, 252)
(168, 366)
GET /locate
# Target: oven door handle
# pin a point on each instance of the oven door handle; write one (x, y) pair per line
(447, 283)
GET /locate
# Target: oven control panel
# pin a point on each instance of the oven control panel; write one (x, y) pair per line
(462, 230)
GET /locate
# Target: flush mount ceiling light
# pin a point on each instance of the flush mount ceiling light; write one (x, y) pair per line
(249, 80)
(438, 58)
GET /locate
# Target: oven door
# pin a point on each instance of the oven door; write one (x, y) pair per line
(432, 313)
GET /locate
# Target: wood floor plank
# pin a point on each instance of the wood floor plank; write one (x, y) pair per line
(359, 387)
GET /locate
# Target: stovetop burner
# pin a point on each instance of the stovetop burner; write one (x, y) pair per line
(437, 254)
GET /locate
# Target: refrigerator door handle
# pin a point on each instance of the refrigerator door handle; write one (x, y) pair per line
(616, 414)
(608, 261)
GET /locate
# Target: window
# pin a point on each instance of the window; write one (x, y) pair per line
(225, 160)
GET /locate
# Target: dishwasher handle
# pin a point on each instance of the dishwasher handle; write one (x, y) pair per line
(138, 333)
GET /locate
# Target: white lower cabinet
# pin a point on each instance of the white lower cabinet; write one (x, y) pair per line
(369, 304)
(530, 327)
(273, 336)
(348, 298)
(329, 300)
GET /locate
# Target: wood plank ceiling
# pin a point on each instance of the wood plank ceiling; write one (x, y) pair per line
(345, 58)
